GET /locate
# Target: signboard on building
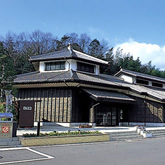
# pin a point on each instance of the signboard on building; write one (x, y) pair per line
(25, 108)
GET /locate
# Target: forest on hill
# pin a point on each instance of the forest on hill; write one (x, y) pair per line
(15, 50)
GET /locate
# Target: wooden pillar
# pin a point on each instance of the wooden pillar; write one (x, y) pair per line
(91, 115)
(163, 113)
(92, 109)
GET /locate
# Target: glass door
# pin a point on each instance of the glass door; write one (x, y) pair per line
(114, 116)
(108, 117)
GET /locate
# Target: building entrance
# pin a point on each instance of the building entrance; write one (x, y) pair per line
(107, 117)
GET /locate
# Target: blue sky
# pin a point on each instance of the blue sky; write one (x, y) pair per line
(124, 23)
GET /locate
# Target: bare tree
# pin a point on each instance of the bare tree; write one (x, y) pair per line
(84, 42)
(42, 42)
(73, 38)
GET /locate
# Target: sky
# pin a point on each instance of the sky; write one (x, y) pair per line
(136, 26)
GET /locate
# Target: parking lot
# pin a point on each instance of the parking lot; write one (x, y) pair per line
(129, 152)
(21, 155)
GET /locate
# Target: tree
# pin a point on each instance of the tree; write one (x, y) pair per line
(96, 49)
(9, 44)
(63, 42)
(84, 42)
(17, 49)
(7, 70)
(109, 56)
(77, 47)
(73, 38)
(42, 42)
(93, 48)
(103, 47)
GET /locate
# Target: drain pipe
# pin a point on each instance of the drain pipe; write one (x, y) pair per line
(92, 112)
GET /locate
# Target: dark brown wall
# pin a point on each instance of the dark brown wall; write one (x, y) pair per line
(55, 105)
(73, 105)
(146, 111)
(81, 106)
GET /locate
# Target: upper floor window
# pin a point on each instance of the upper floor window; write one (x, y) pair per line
(85, 67)
(143, 82)
(154, 84)
(55, 66)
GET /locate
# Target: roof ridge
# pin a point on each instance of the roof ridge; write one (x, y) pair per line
(135, 73)
(90, 56)
(49, 53)
(108, 76)
(71, 73)
(152, 90)
(27, 73)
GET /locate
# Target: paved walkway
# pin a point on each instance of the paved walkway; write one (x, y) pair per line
(47, 129)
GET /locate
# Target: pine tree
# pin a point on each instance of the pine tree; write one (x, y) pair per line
(7, 70)
(95, 48)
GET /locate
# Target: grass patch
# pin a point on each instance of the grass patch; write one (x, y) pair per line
(69, 133)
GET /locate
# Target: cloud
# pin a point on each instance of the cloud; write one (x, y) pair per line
(145, 51)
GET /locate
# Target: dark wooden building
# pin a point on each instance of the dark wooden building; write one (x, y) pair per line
(72, 90)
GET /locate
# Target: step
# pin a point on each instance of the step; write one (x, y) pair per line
(157, 130)
(14, 141)
(134, 135)
(9, 139)
(158, 134)
(130, 138)
(10, 143)
(128, 132)
(161, 133)
(126, 137)
(3, 143)
(124, 134)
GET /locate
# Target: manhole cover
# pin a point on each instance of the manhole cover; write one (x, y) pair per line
(1, 157)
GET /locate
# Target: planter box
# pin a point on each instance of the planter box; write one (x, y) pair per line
(147, 135)
(136, 128)
(85, 126)
(52, 140)
(139, 130)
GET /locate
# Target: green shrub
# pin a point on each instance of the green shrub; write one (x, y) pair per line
(69, 133)
(2, 107)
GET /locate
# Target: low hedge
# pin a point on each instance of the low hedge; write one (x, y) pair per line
(69, 133)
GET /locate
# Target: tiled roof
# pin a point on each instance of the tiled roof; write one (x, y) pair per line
(137, 74)
(67, 53)
(41, 77)
(95, 79)
(102, 80)
(152, 92)
(101, 94)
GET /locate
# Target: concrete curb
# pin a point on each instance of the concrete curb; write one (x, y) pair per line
(53, 140)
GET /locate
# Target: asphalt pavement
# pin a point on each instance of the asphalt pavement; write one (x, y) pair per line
(131, 152)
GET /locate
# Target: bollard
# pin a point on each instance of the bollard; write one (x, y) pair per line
(38, 129)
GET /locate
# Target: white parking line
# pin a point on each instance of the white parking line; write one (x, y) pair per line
(39, 153)
(46, 157)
